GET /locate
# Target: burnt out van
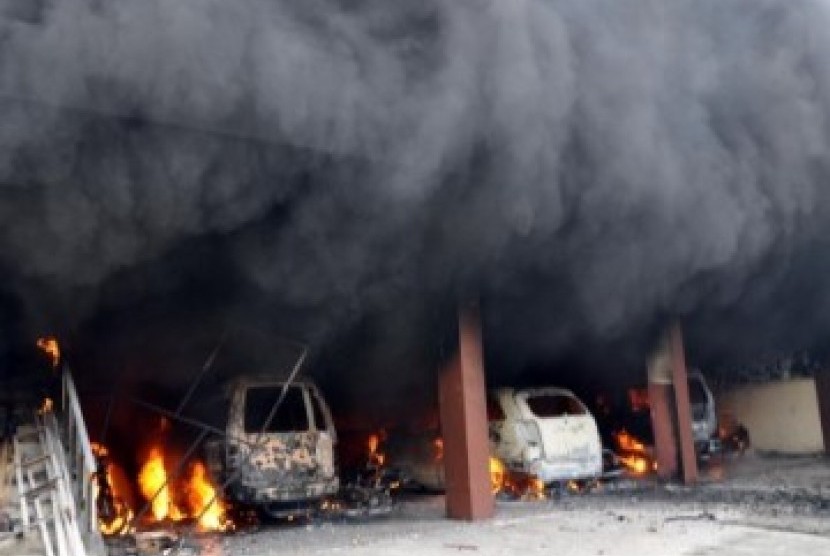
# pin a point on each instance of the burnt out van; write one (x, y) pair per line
(279, 460)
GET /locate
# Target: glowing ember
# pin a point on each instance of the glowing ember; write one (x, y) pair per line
(537, 489)
(49, 345)
(99, 450)
(438, 445)
(45, 406)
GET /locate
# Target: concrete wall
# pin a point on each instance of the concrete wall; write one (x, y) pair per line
(780, 416)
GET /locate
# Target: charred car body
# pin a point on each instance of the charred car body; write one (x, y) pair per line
(704, 416)
(279, 451)
(545, 432)
(627, 425)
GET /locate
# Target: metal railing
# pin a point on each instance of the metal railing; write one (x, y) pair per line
(80, 463)
(44, 481)
(65, 516)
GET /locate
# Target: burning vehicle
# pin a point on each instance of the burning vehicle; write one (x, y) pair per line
(704, 415)
(545, 432)
(279, 452)
(629, 431)
(538, 436)
(418, 458)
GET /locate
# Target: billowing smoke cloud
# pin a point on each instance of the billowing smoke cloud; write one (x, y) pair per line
(615, 159)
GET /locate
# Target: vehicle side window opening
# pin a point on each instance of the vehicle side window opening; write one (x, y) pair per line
(320, 422)
(494, 410)
(555, 405)
(291, 416)
(697, 395)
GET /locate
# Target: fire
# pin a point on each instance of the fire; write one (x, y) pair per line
(633, 454)
(497, 475)
(203, 501)
(514, 483)
(636, 463)
(114, 516)
(628, 443)
(49, 345)
(152, 479)
(194, 498)
(376, 458)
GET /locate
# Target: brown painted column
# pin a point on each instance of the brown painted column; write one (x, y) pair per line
(671, 411)
(463, 405)
(823, 394)
(662, 420)
(683, 405)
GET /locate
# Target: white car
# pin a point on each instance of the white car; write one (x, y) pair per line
(547, 432)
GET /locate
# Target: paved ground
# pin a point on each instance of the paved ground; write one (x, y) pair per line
(531, 530)
(754, 506)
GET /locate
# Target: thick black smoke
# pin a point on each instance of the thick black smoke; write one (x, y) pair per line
(585, 165)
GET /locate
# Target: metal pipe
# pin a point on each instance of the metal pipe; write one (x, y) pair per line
(181, 418)
(205, 368)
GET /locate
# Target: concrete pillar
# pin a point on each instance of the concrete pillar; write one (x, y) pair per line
(671, 414)
(683, 405)
(662, 420)
(463, 406)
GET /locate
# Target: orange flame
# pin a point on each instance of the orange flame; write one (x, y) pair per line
(119, 523)
(203, 502)
(636, 463)
(152, 479)
(49, 345)
(497, 475)
(629, 443)
(515, 483)
(196, 497)
(376, 458)
(633, 454)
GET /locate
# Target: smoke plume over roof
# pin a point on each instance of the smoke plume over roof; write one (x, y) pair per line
(587, 165)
